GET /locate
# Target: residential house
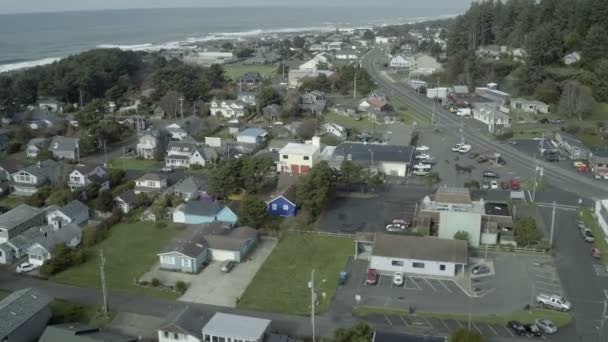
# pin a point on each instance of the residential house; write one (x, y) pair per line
(8, 167)
(319, 62)
(399, 62)
(184, 154)
(78, 332)
(74, 212)
(227, 109)
(191, 188)
(247, 97)
(297, 76)
(151, 144)
(272, 112)
(249, 79)
(345, 110)
(492, 117)
(186, 255)
(48, 237)
(313, 102)
(85, 175)
(27, 181)
(572, 58)
(184, 325)
(491, 51)
(598, 158)
(383, 40)
(530, 106)
(573, 146)
(227, 327)
(24, 315)
(134, 122)
(18, 220)
(252, 136)
(347, 55)
(297, 158)
(65, 148)
(176, 132)
(124, 201)
(461, 91)
(418, 255)
(334, 129)
(50, 103)
(391, 160)
(283, 202)
(203, 211)
(150, 183)
(35, 146)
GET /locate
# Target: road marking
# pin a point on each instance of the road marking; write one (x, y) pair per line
(429, 323)
(388, 320)
(477, 328)
(404, 321)
(379, 278)
(415, 283)
(509, 331)
(445, 325)
(446, 287)
(606, 293)
(494, 331)
(460, 324)
(431, 285)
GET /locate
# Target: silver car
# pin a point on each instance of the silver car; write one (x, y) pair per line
(546, 326)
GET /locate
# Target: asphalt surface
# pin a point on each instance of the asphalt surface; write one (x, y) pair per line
(476, 135)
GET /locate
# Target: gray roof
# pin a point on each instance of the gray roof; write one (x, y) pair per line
(181, 146)
(420, 248)
(188, 248)
(74, 208)
(236, 326)
(87, 168)
(186, 321)
(461, 89)
(361, 153)
(202, 208)
(152, 177)
(38, 142)
(127, 196)
(18, 216)
(19, 307)
(48, 237)
(215, 235)
(600, 152)
(252, 132)
(78, 332)
(46, 170)
(191, 184)
(11, 166)
(59, 143)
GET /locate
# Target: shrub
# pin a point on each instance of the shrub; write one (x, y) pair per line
(160, 224)
(155, 282)
(63, 258)
(181, 287)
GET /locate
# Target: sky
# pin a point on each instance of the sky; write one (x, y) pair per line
(28, 6)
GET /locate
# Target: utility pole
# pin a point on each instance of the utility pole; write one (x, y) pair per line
(532, 297)
(355, 86)
(181, 107)
(312, 303)
(552, 225)
(105, 154)
(104, 289)
(603, 321)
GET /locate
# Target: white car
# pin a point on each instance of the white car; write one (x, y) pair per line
(419, 172)
(423, 156)
(457, 147)
(26, 267)
(494, 185)
(422, 148)
(421, 166)
(464, 149)
(398, 279)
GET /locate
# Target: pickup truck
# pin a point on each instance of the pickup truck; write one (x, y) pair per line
(554, 302)
(421, 166)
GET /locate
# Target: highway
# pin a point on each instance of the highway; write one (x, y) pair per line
(521, 163)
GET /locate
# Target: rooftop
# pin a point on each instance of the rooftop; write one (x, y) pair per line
(78, 332)
(19, 307)
(453, 195)
(299, 149)
(497, 209)
(236, 326)
(372, 153)
(185, 321)
(420, 248)
(252, 132)
(18, 216)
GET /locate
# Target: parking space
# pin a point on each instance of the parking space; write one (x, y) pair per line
(415, 283)
(545, 279)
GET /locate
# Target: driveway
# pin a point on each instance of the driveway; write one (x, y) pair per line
(215, 287)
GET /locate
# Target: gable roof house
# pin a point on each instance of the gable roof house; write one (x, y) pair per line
(313, 101)
(297, 158)
(228, 109)
(203, 211)
(74, 212)
(391, 160)
(85, 175)
(150, 183)
(399, 62)
(24, 314)
(572, 58)
(151, 144)
(46, 238)
(283, 202)
(226, 327)
(492, 117)
(18, 220)
(124, 201)
(252, 136)
(530, 106)
(191, 188)
(65, 148)
(8, 167)
(272, 112)
(334, 129)
(249, 79)
(184, 154)
(176, 132)
(35, 146)
(247, 97)
(78, 332)
(27, 181)
(185, 324)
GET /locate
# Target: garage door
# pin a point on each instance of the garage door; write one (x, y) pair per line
(295, 169)
(304, 169)
(222, 255)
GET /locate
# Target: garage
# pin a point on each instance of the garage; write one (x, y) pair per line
(222, 255)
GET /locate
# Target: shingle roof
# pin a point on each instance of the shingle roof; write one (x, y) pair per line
(127, 196)
(46, 170)
(85, 169)
(74, 208)
(78, 332)
(48, 237)
(252, 132)
(59, 143)
(152, 177)
(202, 208)
(361, 153)
(18, 216)
(192, 248)
(20, 306)
(190, 184)
(216, 235)
(420, 248)
(186, 321)
(11, 166)
(236, 326)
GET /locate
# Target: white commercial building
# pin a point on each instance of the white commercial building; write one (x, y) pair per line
(419, 255)
(399, 62)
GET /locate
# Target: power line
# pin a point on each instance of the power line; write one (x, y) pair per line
(104, 289)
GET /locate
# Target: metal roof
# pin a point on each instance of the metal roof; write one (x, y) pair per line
(237, 327)
(19, 307)
(18, 216)
(420, 248)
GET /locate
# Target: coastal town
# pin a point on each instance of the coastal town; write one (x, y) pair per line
(344, 185)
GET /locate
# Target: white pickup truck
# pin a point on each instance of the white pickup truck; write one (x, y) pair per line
(554, 302)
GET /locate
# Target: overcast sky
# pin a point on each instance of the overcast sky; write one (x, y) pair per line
(21, 6)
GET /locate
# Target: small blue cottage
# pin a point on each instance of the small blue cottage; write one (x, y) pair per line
(284, 204)
(201, 211)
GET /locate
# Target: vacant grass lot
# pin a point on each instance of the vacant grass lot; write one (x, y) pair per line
(233, 71)
(130, 251)
(136, 164)
(281, 285)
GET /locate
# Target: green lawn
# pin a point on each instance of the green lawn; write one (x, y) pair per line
(600, 112)
(559, 318)
(281, 285)
(136, 164)
(20, 156)
(233, 71)
(11, 201)
(130, 251)
(598, 233)
(361, 125)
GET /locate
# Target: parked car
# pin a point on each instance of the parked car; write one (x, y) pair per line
(398, 279)
(532, 330)
(515, 184)
(517, 327)
(343, 278)
(423, 156)
(595, 253)
(421, 166)
(485, 185)
(227, 266)
(464, 149)
(494, 185)
(401, 222)
(480, 269)
(554, 302)
(490, 174)
(166, 169)
(546, 326)
(372, 277)
(587, 235)
(419, 172)
(395, 227)
(26, 267)
(422, 148)
(457, 147)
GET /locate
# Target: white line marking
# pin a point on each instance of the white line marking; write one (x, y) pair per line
(460, 324)
(431, 285)
(415, 283)
(509, 331)
(445, 325)
(388, 320)
(477, 328)
(446, 287)
(494, 331)
(429, 323)
(404, 321)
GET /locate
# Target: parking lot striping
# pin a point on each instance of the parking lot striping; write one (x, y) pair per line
(446, 287)
(494, 331)
(460, 324)
(477, 328)
(429, 324)
(509, 331)
(431, 285)
(388, 320)
(444, 324)
(404, 321)
(415, 283)
(606, 293)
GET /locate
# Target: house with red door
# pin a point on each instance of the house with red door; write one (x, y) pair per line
(298, 158)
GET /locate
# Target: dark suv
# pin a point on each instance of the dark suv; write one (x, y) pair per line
(517, 327)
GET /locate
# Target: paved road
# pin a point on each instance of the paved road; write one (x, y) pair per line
(477, 136)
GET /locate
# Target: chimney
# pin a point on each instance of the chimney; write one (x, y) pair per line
(316, 141)
(39, 164)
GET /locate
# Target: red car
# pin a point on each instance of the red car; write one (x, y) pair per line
(595, 253)
(372, 276)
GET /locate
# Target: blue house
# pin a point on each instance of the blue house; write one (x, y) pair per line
(284, 204)
(201, 211)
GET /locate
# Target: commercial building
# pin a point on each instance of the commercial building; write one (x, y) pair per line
(297, 158)
(391, 160)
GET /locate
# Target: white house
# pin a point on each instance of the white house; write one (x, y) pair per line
(297, 158)
(572, 58)
(334, 129)
(227, 109)
(252, 136)
(149, 144)
(40, 251)
(313, 64)
(227, 327)
(529, 106)
(382, 40)
(418, 255)
(184, 325)
(150, 183)
(491, 117)
(184, 154)
(347, 55)
(74, 212)
(601, 213)
(83, 175)
(176, 132)
(399, 62)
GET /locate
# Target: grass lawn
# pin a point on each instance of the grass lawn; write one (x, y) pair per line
(361, 125)
(233, 71)
(130, 251)
(559, 318)
(68, 312)
(592, 140)
(11, 201)
(600, 112)
(281, 285)
(136, 164)
(598, 233)
(20, 156)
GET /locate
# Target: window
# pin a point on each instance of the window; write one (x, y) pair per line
(397, 263)
(442, 267)
(274, 206)
(418, 265)
(306, 158)
(165, 259)
(166, 334)
(285, 207)
(285, 156)
(186, 263)
(176, 336)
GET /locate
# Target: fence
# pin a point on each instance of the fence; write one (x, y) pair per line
(320, 233)
(511, 249)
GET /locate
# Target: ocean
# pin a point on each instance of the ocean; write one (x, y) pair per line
(34, 39)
